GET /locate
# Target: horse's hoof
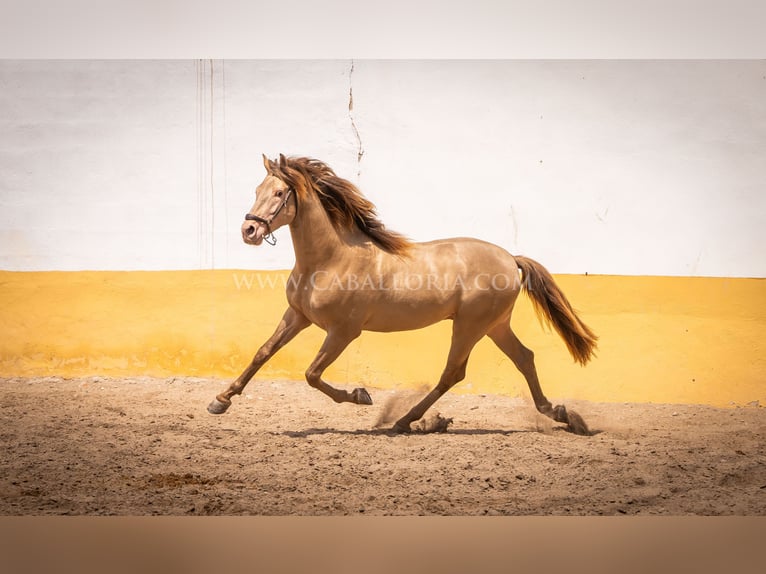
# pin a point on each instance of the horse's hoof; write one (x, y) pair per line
(559, 414)
(361, 397)
(432, 423)
(577, 424)
(401, 428)
(218, 406)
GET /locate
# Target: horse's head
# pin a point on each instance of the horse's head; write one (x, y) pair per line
(275, 205)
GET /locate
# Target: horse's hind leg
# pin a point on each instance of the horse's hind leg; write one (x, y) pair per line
(463, 342)
(291, 324)
(524, 359)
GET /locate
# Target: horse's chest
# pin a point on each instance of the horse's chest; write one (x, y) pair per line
(321, 306)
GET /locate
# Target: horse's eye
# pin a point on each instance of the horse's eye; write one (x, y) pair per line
(280, 193)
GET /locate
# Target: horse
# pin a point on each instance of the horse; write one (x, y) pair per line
(352, 274)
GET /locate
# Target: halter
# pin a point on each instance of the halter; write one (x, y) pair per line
(269, 237)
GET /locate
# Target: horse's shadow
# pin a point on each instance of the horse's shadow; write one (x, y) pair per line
(389, 433)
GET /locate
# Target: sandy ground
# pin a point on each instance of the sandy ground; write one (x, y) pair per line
(143, 446)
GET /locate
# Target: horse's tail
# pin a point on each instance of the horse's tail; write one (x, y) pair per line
(551, 304)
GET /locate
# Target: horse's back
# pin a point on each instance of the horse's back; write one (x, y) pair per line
(471, 270)
(470, 253)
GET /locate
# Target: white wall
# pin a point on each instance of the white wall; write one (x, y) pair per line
(97, 164)
(618, 167)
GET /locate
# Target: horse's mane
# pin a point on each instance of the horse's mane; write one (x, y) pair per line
(344, 203)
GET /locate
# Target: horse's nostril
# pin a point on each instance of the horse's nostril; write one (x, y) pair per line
(250, 230)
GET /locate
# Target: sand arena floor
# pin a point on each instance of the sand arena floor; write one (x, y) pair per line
(144, 446)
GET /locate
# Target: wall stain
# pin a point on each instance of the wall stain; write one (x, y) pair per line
(360, 148)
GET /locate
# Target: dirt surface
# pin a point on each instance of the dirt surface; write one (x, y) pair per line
(142, 446)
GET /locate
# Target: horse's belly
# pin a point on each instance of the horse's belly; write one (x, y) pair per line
(405, 311)
(404, 319)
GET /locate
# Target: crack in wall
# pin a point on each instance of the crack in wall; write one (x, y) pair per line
(360, 147)
(211, 162)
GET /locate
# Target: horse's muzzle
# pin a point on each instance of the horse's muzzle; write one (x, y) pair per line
(252, 232)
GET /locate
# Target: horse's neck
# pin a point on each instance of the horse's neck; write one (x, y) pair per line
(316, 242)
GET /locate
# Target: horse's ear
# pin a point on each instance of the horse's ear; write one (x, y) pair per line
(267, 163)
(282, 160)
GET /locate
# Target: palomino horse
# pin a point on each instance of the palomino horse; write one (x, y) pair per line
(352, 274)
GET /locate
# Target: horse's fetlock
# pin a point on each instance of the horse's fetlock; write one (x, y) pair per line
(545, 408)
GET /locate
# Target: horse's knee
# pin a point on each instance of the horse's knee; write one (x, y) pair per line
(313, 377)
(262, 355)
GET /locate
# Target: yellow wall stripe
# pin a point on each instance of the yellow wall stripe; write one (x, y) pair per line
(662, 339)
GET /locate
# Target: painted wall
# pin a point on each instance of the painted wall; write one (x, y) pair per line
(662, 339)
(123, 185)
(626, 167)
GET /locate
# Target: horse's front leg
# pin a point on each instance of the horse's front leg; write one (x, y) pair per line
(291, 324)
(524, 359)
(334, 344)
